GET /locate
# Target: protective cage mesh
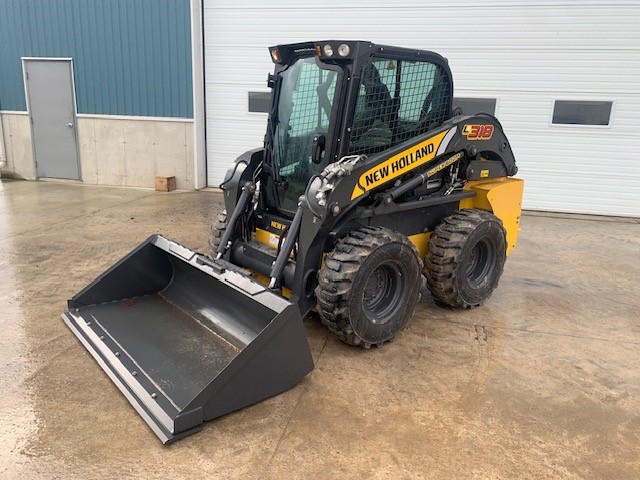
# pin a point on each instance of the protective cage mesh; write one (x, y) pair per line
(398, 100)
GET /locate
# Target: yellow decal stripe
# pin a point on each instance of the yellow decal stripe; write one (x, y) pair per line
(398, 165)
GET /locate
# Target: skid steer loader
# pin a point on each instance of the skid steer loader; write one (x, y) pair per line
(368, 178)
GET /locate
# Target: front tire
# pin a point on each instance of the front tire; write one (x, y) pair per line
(465, 258)
(217, 230)
(369, 286)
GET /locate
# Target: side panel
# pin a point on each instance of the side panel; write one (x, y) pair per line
(398, 164)
(421, 241)
(503, 197)
(267, 238)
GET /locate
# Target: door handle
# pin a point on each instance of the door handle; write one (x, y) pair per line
(70, 125)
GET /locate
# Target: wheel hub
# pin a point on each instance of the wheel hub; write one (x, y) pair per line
(381, 294)
(480, 262)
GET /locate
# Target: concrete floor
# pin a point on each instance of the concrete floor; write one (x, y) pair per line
(541, 382)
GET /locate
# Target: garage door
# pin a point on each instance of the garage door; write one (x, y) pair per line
(562, 79)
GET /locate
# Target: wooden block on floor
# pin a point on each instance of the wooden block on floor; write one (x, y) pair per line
(165, 184)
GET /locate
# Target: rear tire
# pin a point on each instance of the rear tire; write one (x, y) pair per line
(465, 258)
(217, 230)
(369, 286)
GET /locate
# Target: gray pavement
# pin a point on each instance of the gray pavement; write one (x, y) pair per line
(543, 381)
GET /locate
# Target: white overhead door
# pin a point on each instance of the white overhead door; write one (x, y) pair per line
(579, 58)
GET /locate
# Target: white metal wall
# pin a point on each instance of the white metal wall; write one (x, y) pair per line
(525, 53)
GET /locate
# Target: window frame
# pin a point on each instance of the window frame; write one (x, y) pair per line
(582, 99)
(478, 97)
(257, 90)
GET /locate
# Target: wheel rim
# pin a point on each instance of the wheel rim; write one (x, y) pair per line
(481, 261)
(383, 292)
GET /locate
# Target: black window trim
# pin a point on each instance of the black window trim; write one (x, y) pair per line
(581, 99)
(256, 90)
(479, 97)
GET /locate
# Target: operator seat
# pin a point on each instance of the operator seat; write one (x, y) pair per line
(378, 103)
(434, 110)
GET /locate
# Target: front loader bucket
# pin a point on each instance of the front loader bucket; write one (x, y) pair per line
(186, 339)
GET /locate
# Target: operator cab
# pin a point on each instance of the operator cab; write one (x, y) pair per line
(337, 98)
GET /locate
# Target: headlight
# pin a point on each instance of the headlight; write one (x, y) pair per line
(343, 50)
(328, 50)
(275, 55)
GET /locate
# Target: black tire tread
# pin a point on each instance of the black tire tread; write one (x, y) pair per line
(217, 230)
(338, 273)
(443, 255)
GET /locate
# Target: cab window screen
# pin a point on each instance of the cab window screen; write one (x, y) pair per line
(398, 100)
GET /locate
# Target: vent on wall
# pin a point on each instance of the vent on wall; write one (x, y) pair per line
(582, 112)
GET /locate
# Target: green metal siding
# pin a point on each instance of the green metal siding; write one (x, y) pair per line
(130, 57)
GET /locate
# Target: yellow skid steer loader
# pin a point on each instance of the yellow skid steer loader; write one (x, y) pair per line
(368, 179)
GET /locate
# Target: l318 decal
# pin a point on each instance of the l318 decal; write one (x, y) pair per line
(477, 132)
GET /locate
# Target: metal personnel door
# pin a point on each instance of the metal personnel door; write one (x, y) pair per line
(52, 109)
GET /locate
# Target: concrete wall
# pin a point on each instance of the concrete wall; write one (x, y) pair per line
(133, 152)
(113, 150)
(17, 144)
